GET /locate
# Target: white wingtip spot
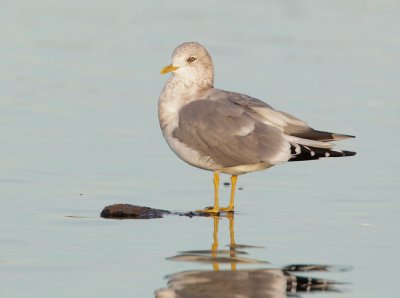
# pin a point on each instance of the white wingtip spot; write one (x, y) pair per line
(327, 154)
(298, 149)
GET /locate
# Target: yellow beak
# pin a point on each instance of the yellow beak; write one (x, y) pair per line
(168, 69)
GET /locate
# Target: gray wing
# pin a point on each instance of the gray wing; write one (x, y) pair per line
(289, 124)
(229, 133)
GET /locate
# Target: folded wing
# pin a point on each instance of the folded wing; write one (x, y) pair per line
(230, 134)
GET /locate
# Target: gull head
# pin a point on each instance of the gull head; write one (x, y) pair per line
(191, 62)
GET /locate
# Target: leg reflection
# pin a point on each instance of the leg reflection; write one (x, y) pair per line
(214, 246)
(232, 245)
(215, 253)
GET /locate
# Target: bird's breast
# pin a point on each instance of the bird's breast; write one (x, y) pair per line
(172, 99)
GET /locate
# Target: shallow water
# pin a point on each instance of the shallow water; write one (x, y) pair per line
(79, 130)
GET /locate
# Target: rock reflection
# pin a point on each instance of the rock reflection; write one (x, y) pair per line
(243, 283)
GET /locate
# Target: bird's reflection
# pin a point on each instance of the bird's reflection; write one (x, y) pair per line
(243, 283)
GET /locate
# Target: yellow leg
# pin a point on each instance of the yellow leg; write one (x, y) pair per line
(214, 246)
(215, 209)
(231, 206)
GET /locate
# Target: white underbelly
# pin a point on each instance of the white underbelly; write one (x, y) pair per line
(247, 168)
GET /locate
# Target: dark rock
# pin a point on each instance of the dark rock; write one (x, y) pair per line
(128, 211)
(125, 211)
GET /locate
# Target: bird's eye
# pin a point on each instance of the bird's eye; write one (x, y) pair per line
(191, 59)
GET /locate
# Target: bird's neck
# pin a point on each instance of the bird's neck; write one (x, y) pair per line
(177, 93)
(195, 83)
(185, 90)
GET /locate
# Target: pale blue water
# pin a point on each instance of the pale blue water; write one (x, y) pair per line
(79, 86)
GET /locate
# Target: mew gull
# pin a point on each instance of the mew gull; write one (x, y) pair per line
(228, 132)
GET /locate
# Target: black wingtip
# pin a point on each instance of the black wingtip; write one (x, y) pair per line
(302, 152)
(349, 153)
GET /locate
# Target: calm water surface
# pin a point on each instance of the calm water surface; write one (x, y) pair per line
(79, 130)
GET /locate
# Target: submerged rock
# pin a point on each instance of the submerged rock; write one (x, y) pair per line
(128, 211)
(125, 211)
